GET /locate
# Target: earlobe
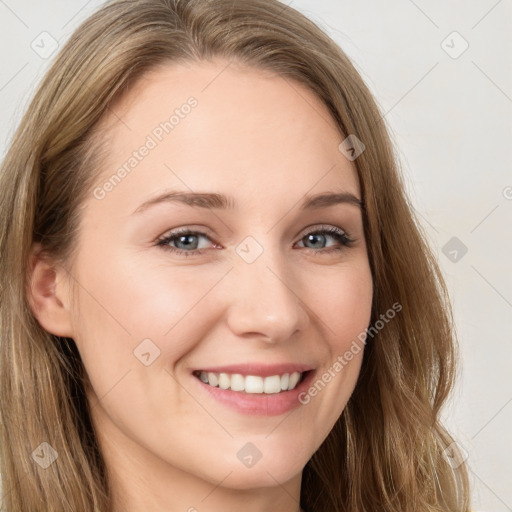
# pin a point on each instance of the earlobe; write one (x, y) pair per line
(47, 294)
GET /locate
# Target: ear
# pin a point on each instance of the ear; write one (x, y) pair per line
(48, 294)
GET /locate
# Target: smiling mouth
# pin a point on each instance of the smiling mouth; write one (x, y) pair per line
(252, 384)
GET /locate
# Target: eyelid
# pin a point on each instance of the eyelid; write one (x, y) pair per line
(195, 230)
(203, 230)
(321, 227)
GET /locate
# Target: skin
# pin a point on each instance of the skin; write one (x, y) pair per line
(267, 142)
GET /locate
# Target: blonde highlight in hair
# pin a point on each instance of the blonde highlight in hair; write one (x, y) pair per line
(387, 450)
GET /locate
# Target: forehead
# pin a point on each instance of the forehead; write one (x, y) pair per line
(222, 127)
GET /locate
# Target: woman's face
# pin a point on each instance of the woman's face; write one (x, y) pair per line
(257, 289)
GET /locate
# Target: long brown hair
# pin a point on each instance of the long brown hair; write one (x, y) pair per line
(387, 451)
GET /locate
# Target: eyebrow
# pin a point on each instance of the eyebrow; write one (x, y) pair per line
(223, 202)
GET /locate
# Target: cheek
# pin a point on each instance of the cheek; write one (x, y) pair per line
(130, 301)
(134, 324)
(127, 311)
(349, 314)
(344, 309)
(343, 303)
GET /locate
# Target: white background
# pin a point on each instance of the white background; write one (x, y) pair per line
(451, 119)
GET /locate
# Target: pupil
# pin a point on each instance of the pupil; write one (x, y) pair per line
(184, 237)
(314, 236)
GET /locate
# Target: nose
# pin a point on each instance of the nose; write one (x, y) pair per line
(263, 302)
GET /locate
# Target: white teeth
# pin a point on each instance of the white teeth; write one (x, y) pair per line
(224, 381)
(237, 382)
(294, 378)
(284, 381)
(252, 383)
(213, 379)
(272, 384)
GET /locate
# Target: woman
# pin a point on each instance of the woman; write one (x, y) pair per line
(144, 370)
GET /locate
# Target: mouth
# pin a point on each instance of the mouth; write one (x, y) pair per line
(252, 384)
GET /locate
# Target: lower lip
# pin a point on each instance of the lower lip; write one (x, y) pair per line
(262, 404)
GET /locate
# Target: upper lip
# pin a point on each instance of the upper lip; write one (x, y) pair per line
(263, 370)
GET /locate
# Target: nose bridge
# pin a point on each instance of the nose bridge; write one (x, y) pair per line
(263, 300)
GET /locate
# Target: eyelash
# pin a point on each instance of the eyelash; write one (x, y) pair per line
(340, 235)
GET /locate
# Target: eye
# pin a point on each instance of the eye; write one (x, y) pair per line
(187, 240)
(321, 235)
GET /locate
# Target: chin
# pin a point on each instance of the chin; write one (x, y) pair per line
(261, 475)
(274, 465)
